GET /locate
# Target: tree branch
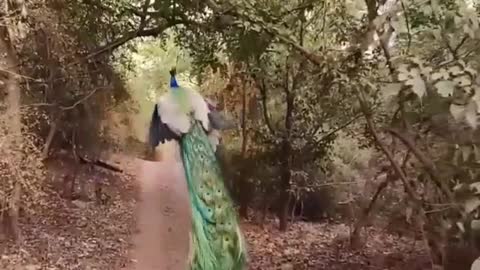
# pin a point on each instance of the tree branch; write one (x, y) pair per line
(263, 93)
(152, 32)
(143, 17)
(98, 4)
(100, 163)
(344, 125)
(67, 108)
(452, 50)
(407, 22)
(398, 170)
(429, 165)
(302, 7)
(464, 39)
(268, 29)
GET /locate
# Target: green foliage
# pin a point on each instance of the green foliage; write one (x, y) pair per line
(348, 158)
(147, 76)
(306, 69)
(304, 54)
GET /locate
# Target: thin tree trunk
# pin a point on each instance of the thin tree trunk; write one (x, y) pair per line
(9, 74)
(68, 186)
(244, 196)
(263, 217)
(285, 196)
(82, 182)
(48, 142)
(14, 210)
(355, 239)
(437, 246)
(286, 161)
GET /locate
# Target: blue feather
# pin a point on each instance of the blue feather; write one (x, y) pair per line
(173, 82)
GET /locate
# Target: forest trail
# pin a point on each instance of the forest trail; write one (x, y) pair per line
(163, 216)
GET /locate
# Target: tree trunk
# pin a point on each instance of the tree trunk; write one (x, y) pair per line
(99, 198)
(243, 211)
(14, 212)
(285, 185)
(286, 155)
(68, 186)
(48, 142)
(83, 184)
(243, 181)
(8, 75)
(355, 237)
(263, 217)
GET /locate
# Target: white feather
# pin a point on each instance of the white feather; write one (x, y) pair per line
(172, 115)
(199, 107)
(179, 121)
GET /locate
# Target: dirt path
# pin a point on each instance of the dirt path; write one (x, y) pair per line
(163, 217)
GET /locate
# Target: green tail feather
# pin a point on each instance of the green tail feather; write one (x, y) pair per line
(217, 242)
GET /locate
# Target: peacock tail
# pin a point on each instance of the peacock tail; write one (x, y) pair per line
(216, 240)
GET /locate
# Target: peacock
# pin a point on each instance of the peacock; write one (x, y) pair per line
(185, 116)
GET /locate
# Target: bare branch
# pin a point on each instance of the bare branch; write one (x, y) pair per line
(429, 165)
(397, 168)
(263, 93)
(143, 19)
(49, 140)
(66, 108)
(13, 73)
(100, 163)
(407, 22)
(152, 32)
(343, 126)
(464, 39)
(452, 50)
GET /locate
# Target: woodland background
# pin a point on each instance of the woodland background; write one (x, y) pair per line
(357, 125)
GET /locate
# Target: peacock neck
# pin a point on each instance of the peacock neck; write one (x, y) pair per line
(179, 95)
(173, 82)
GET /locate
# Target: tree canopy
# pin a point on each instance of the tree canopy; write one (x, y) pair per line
(321, 90)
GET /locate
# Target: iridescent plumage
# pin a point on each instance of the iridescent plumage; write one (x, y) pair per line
(216, 239)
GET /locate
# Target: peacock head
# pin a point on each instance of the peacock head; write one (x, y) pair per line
(173, 80)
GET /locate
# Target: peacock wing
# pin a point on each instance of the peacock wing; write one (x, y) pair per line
(159, 132)
(199, 107)
(172, 115)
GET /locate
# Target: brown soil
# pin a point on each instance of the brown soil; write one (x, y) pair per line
(163, 217)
